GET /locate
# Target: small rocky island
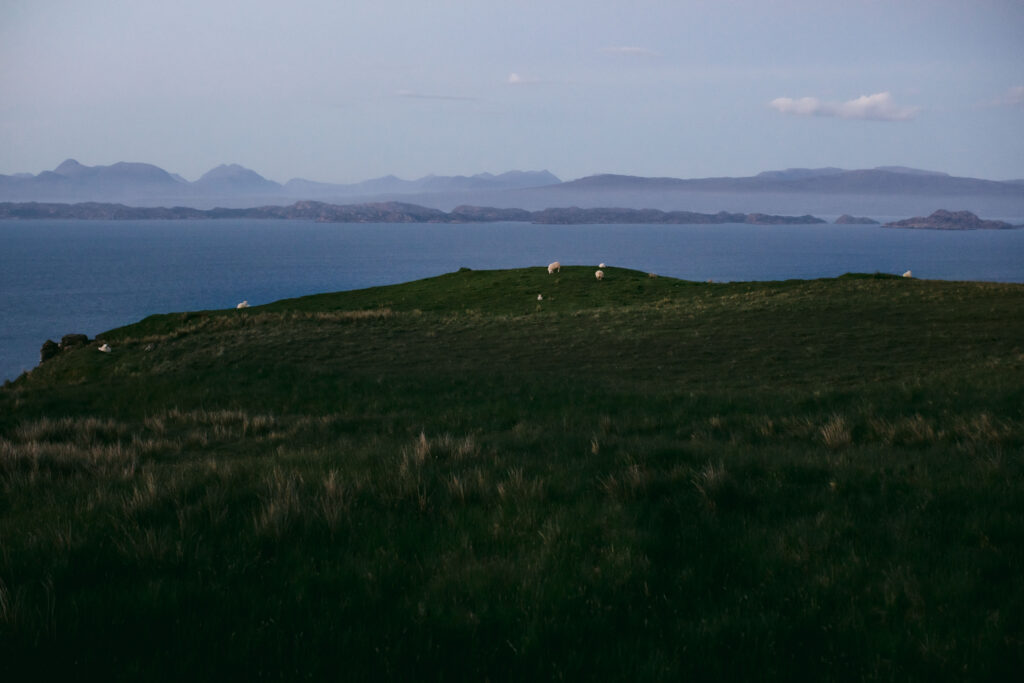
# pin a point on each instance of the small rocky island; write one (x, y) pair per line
(576, 216)
(951, 220)
(847, 219)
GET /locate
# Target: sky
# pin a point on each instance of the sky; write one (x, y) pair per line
(346, 91)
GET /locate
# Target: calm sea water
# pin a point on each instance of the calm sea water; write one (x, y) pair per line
(58, 277)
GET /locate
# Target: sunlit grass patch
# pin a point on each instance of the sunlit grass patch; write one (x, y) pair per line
(836, 433)
(82, 431)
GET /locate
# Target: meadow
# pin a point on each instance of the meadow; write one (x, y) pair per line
(641, 478)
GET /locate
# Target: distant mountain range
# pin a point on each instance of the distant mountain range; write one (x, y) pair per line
(883, 180)
(884, 191)
(230, 185)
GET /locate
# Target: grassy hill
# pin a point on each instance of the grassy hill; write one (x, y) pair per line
(639, 478)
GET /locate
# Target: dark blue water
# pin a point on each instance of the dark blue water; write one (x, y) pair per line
(58, 277)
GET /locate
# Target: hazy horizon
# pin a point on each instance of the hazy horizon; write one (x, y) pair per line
(651, 88)
(492, 172)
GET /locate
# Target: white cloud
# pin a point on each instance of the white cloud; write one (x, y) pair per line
(518, 79)
(877, 107)
(1013, 97)
(805, 106)
(628, 51)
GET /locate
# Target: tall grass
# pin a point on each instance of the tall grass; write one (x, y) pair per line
(675, 481)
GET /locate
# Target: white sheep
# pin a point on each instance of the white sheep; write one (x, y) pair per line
(554, 267)
(105, 348)
(540, 297)
(599, 275)
(600, 265)
(907, 274)
(244, 304)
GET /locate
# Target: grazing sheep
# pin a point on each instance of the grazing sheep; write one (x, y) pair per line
(540, 297)
(907, 274)
(652, 275)
(244, 304)
(599, 275)
(555, 267)
(105, 348)
(600, 265)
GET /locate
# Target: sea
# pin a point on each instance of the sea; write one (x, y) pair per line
(72, 276)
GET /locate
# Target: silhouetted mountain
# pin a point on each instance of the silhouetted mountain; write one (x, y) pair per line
(72, 180)
(827, 191)
(884, 192)
(234, 179)
(807, 180)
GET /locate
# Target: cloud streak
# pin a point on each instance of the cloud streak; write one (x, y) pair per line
(1013, 97)
(412, 94)
(877, 107)
(629, 51)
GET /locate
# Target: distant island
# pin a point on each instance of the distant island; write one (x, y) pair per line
(392, 212)
(847, 219)
(402, 212)
(951, 220)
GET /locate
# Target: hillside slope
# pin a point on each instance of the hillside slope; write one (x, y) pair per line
(639, 477)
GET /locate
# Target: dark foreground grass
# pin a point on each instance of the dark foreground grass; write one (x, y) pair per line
(640, 478)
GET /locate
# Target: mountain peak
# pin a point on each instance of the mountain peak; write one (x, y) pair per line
(237, 176)
(229, 171)
(70, 167)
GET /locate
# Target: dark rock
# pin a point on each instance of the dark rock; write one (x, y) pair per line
(847, 219)
(49, 350)
(69, 341)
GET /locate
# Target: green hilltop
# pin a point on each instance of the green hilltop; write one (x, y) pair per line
(511, 475)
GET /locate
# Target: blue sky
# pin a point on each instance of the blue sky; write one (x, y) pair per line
(344, 91)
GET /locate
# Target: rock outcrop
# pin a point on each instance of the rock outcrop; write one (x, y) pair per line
(49, 350)
(69, 341)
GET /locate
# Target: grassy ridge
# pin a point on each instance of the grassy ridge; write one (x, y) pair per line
(640, 477)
